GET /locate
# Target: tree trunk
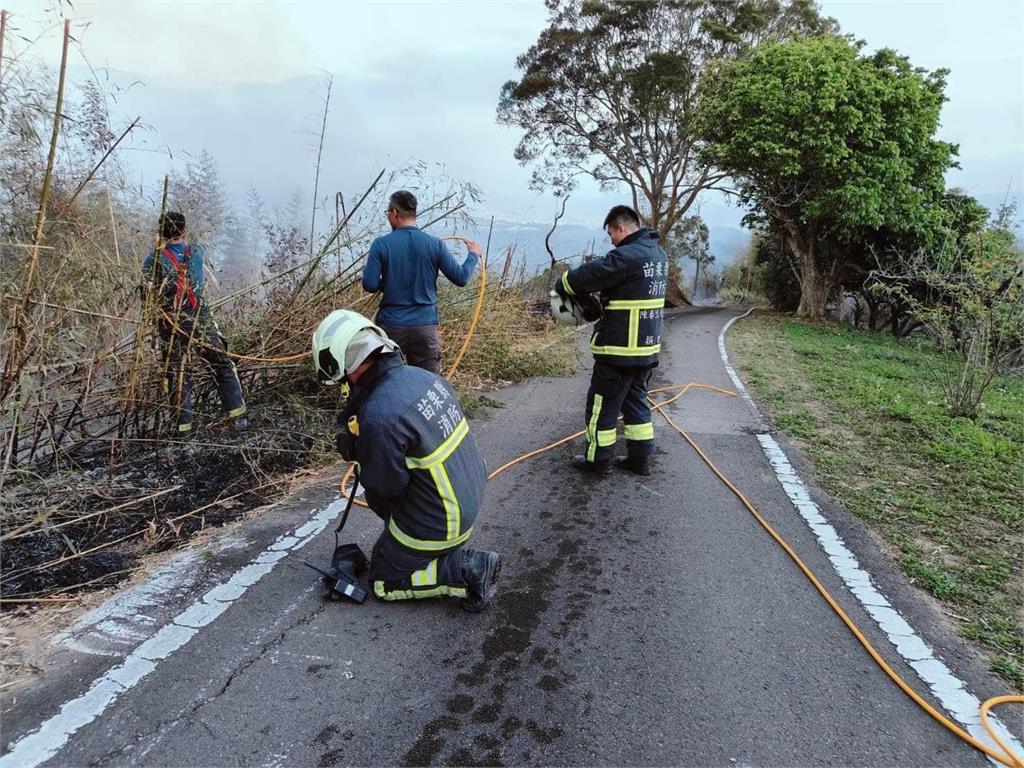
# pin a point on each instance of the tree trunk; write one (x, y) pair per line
(872, 304)
(814, 292)
(895, 315)
(815, 282)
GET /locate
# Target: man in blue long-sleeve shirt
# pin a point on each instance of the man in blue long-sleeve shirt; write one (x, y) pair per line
(403, 266)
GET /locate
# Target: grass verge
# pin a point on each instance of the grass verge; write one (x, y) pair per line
(943, 493)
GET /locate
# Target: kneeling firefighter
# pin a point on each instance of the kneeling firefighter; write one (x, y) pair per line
(420, 469)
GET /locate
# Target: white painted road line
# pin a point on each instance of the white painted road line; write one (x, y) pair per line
(45, 742)
(125, 620)
(728, 366)
(949, 690)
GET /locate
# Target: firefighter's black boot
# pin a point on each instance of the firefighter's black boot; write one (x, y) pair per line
(480, 570)
(597, 467)
(638, 465)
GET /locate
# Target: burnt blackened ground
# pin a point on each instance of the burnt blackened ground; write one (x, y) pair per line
(219, 475)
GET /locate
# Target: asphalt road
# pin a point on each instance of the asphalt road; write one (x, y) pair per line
(638, 622)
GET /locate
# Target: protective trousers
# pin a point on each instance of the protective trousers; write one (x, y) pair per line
(201, 335)
(615, 390)
(421, 344)
(399, 573)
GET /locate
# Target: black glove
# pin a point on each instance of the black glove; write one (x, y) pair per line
(590, 307)
(345, 442)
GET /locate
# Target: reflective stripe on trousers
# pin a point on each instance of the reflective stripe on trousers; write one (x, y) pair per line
(615, 390)
(422, 584)
(397, 573)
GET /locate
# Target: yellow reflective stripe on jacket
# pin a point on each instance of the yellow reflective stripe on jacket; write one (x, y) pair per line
(425, 545)
(605, 437)
(635, 304)
(625, 351)
(416, 594)
(452, 510)
(442, 452)
(639, 431)
(565, 284)
(633, 348)
(434, 464)
(633, 334)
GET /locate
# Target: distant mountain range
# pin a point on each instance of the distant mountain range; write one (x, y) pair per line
(570, 241)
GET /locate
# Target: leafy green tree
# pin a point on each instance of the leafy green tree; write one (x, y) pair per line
(970, 294)
(609, 91)
(826, 144)
(690, 239)
(882, 250)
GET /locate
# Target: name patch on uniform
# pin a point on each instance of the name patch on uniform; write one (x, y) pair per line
(440, 409)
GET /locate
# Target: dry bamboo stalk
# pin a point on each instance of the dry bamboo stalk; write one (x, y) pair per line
(61, 594)
(3, 34)
(261, 283)
(444, 215)
(15, 360)
(508, 263)
(88, 178)
(44, 196)
(141, 329)
(24, 530)
(80, 312)
(315, 261)
(83, 553)
(319, 155)
(29, 245)
(15, 600)
(339, 207)
(194, 443)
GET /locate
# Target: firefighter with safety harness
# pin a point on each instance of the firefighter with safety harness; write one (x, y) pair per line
(631, 281)
(418, 465)
(186, 324)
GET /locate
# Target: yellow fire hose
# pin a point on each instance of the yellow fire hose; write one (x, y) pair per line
(476, 310)
(1007, 757)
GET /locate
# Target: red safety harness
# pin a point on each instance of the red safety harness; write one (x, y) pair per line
(184, 286)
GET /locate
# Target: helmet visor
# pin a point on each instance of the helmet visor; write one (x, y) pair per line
(327, 367)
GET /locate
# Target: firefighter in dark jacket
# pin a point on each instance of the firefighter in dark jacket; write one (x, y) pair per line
(631, 281)
(186, 324)
(420, 469)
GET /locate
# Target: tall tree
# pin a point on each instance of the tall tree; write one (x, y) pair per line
(828, 145)
(885, 250)
(690, 239)
(199, 194)
(609, 91)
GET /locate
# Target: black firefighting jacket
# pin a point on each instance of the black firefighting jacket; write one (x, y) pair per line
(631, 279)
(417, 461)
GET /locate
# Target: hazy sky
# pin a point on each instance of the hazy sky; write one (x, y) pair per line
(421, 79)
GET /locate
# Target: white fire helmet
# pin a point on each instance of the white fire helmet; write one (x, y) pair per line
(566, 311)
(342, 341)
